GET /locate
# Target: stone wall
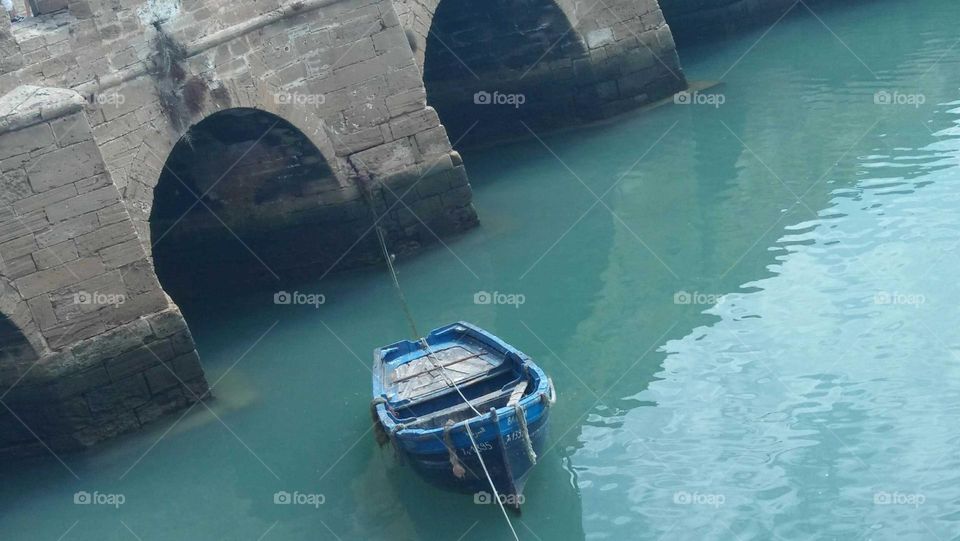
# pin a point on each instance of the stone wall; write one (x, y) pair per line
(572, 62)
(107, 350)
(96, 99)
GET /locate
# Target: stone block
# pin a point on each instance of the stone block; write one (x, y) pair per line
(161, 378)
(19, 267)
(600, 37)
(33, 139)
(71, 332)
(187, 366)
(135, 306)
(18, 247)
(415, 122)
(83, 381)
(57, 277)
(103, 237)
(113, 343)
(124, 394)
(15, 187)
(82, 204)
(112, 214)
(408, 101)
(182, 342)
(58, 254)
(92, 183)
(65, 166)
(42, 312)
(390, 38)
(68, 229)
(433, 141)
(169, 323)
(45, 199)
(457, 197)
(387, 158)
(122, 254)
(355, 141)
(140, 359)
(139, 277)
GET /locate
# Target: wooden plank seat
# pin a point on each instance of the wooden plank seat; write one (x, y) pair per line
(461, 411)
(422, 376)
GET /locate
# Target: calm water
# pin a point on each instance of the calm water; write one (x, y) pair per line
(754, 335)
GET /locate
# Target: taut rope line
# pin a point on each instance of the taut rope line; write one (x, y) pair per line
(368, 193)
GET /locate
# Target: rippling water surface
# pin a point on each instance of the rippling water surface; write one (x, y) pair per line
(754, 332)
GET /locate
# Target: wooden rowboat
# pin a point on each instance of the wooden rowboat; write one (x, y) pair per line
(459, 390)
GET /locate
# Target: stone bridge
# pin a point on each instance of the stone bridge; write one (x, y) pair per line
(151, 149)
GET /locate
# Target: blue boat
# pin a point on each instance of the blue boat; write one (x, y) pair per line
(458, 390)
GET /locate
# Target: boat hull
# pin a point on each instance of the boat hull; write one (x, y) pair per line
(501, 408)
(504, 454)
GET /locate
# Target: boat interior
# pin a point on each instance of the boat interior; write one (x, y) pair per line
(486, 380)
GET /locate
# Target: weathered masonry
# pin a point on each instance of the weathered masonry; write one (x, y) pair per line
(150, 147)
(503, 67)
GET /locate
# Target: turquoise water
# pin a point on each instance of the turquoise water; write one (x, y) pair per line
(810, 388)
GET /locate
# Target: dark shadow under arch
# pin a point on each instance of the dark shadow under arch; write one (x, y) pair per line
(246, 197)
(499, 64)
(16, 352)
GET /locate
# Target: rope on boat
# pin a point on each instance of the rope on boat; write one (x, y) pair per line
(366, 187)
(458, 469)
(528, 445)
(396, 282)
(492, 485)
(378, 430)
(367, 190)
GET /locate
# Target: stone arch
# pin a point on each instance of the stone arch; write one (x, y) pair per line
(491, 67)
(417, 17)
(603, 58)
(137, 170)
(247, 195)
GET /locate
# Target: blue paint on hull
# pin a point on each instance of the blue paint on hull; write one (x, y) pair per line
(498, 433)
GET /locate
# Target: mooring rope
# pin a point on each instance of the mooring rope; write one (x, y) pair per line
(493, 487)
(522, 419)
(396, 282)
(368, 192)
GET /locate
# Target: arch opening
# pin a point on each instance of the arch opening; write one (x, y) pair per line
(491, 67)
(15, 352)
(246, 197)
